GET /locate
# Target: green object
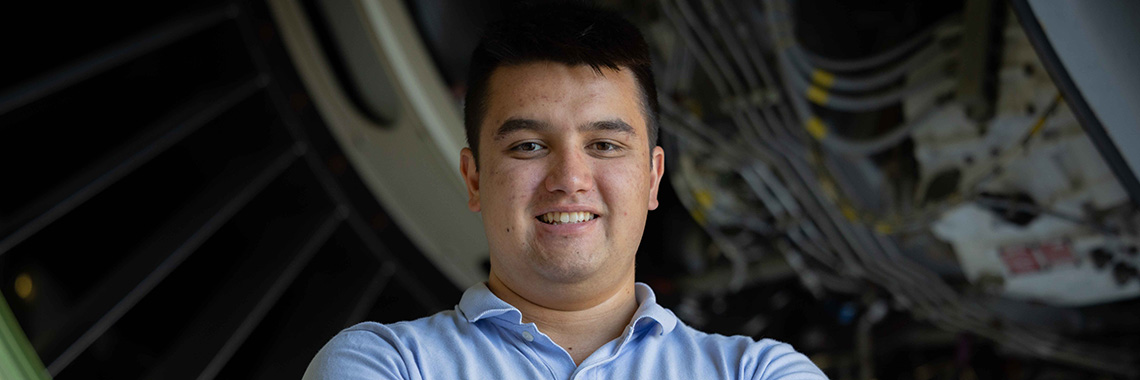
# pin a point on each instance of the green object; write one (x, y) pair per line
(18, 360)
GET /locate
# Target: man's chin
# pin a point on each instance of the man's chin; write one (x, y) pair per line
(567, 269)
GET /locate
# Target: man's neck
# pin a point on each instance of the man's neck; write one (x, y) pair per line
(581, 329)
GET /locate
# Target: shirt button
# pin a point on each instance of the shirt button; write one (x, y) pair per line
(526, 335)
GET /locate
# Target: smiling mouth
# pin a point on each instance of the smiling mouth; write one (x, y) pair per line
(557, 218)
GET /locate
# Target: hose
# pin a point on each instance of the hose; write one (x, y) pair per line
(828, 80)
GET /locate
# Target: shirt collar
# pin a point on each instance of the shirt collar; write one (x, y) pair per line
(649, 310)
(479, 303)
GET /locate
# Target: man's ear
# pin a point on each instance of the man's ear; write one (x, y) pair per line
(657, 170)
(470, 171)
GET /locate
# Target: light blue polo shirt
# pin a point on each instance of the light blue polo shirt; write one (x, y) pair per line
(484, 338)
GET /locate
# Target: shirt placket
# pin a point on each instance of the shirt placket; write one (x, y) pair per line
(543, 350)
(592, 370)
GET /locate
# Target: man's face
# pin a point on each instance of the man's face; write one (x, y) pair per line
(566, 176)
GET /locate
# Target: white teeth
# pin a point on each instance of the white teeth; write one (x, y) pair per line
(566, 217)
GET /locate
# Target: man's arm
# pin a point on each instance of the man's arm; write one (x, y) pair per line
(358, 354)
(776, 360)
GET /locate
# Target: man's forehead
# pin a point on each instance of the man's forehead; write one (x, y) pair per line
(523, 96)
(517, 80)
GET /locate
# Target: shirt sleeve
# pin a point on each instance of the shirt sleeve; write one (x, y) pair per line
(779, 361)
(357, 354)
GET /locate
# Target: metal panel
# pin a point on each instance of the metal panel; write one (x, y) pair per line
(1089, 49)
(412, 165)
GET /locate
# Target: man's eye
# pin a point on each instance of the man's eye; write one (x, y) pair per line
(605, 146)
(527, 147)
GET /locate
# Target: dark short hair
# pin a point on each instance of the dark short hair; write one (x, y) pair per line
(570, 34)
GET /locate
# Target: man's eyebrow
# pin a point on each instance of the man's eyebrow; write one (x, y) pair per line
(514, 125)
(609, 125)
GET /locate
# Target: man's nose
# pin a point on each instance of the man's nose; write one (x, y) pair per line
(570, 172)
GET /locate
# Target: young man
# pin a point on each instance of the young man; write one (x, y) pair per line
(563, 165)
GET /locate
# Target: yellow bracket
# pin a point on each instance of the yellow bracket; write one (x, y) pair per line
(816, 128)
(817, 95)
(822, 78)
